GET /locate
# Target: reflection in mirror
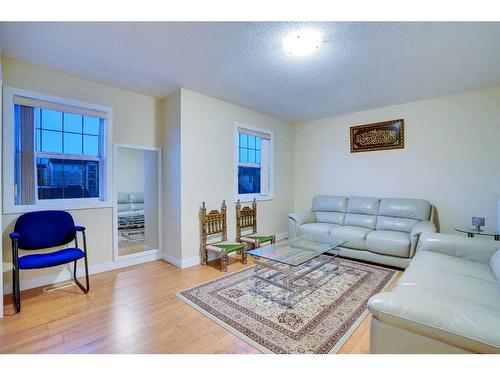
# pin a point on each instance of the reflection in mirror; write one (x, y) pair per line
(136, 174)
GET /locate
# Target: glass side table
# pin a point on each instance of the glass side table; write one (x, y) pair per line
(471, 232)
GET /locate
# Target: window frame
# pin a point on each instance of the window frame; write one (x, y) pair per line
(105, 165)
(252, 196)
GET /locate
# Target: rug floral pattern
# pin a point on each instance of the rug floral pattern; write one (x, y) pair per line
(319, 319)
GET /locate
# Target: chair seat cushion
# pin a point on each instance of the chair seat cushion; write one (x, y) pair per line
(228, 246)
(355, 236)
(320, 232)
(389, 242)
(252, 238)
(55, 258)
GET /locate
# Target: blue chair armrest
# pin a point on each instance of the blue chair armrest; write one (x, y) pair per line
(14, 236)
(79, 228)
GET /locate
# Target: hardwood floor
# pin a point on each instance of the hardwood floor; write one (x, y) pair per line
(131, 310)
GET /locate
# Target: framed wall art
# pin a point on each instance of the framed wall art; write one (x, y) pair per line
(386, 135)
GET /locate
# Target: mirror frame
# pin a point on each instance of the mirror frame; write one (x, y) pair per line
(153, 253)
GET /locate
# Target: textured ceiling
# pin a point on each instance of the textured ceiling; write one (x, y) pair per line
(359, 66)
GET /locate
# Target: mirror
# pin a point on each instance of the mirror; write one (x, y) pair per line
(137, 175)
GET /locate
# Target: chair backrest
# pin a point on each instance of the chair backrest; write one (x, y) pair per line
(246, 217)
(43, 229)
(213, 223)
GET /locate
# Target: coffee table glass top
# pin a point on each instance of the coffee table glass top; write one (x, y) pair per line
(295, 251)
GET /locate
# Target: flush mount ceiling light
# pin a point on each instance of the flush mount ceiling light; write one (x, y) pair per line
(302, 42)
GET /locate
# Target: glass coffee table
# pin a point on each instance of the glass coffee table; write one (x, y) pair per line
(286, 264)
(472, 231)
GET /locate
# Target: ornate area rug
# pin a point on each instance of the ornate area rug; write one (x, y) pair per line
(320, 321)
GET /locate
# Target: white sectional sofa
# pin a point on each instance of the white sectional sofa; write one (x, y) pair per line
(447, 301)
(381, 230)
(130, 210)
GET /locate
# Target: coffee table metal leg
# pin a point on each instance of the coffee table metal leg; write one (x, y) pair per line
(288, 293)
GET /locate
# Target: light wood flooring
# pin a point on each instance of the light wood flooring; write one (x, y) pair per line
(131, 310)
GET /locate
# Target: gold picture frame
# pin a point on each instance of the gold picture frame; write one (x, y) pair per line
(385, 135)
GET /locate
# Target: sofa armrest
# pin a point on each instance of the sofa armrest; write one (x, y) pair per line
(302, 217)
(473, 249)
(417, 230)
(440, 317)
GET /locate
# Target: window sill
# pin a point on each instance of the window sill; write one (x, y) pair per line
(251, 197)
(63, 204)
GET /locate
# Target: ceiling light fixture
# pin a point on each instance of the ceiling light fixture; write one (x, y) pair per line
(302, 42)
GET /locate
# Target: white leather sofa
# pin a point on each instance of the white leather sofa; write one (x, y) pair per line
(447, 301)
(379, 230)
(130, 210)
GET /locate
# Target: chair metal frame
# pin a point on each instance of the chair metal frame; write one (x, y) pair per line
(16, 290)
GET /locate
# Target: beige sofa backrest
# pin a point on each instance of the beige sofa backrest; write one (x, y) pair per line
(398, 214)
(401, 213)
(362, 212)
(329, 209)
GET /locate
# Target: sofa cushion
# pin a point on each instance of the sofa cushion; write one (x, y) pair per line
(360, 220)
(389, 242)
(418, 209)
(456, 285)
(320, 232)
(446, 263)
(136, 197)
(123, 198)
(329, 203)
(396, 223)
(131, 213)
(330, 217)
(363, 205)
(137, 206)
(354, 235)
(495, 264)
(436, 318)
(123, 207)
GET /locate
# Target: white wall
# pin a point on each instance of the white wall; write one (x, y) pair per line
(172, 178)
(208, 165)
(1, 182)
(151, 203)
(451, 157)
(129, 170)
(136, 120)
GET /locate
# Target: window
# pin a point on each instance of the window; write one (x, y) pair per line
(253, 166)
(59, 153)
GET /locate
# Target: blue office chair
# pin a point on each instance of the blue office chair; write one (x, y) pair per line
(40, 230)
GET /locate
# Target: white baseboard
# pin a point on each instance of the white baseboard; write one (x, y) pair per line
(67, 273)
(172, 260)
(194, 261)
(190, 262)
(182, 263)
(281, 236)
